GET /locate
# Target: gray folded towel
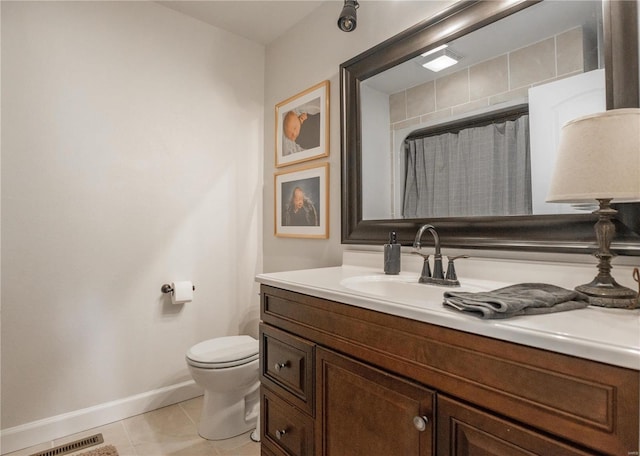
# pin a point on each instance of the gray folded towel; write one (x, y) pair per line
(521, 299)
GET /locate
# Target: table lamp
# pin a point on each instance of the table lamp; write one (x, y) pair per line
(599, 159)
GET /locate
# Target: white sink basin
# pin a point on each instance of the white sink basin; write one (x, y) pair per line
(407, 287)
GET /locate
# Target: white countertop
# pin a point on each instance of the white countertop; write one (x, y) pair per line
(611, 336)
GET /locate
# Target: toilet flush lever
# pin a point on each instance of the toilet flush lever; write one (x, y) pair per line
(280, 366)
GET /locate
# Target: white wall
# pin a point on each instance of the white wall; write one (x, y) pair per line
(131, 156)
(377, 147)
(311, 52)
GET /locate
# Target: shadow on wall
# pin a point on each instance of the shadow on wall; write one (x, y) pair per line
(250, 321)
(176, 389)
(168, 308)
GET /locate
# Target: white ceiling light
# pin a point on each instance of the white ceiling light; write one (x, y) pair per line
(438, 60)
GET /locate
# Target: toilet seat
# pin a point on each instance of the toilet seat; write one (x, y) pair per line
(223, 352)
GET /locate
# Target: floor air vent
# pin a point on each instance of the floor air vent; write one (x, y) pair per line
(72, 446)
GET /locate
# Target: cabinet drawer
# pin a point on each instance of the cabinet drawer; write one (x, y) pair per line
(466, 431)
(286, 366)
(287, 430)
(266, 451)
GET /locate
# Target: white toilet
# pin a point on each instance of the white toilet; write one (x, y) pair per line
(227, 369)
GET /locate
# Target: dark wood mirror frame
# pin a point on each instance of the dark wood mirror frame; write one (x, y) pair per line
(550, 233)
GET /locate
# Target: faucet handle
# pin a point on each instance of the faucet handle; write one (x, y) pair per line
(426, 269)
(423, 255)
(451, 269)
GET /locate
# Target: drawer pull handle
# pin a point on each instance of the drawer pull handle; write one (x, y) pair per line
(280, 366)
(420, 422)
(280, 434)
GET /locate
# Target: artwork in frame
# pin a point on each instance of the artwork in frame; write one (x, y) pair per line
(302, 126)
(302, 202)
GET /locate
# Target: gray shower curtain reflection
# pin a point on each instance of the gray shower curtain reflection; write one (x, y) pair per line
(478, 171)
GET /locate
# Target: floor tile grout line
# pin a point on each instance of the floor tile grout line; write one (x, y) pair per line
(188, 416)
(126, 432)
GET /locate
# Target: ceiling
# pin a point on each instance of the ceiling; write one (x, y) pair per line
(259, 21)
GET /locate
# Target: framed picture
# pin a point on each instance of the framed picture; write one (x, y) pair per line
(302, 202)
(302, 126)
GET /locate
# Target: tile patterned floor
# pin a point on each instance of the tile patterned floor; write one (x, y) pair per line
(169, 431)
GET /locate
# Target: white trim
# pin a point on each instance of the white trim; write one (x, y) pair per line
(36, 432)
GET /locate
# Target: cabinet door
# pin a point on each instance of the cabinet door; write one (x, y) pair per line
(287, 430)
(466, 431)
(364, 411)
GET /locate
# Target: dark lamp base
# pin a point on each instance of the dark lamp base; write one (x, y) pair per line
(610, 294)
(604, 291)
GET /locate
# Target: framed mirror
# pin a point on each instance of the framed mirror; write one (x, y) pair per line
(606, 33)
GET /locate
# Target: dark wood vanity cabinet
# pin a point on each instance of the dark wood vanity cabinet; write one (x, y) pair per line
(339, 380)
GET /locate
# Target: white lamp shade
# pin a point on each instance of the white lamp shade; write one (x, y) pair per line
(598, 158)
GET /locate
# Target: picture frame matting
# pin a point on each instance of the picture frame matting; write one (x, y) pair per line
(302, 126)
(301, 208)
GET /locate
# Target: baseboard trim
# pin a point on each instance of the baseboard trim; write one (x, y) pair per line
(36, 432)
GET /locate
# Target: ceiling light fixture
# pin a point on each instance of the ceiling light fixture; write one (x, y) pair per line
(438, 59)
(347, 21)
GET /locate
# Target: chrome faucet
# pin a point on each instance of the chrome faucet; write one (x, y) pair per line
(438, 276)
(437, 257)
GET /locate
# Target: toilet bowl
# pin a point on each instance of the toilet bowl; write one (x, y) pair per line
(227, 369)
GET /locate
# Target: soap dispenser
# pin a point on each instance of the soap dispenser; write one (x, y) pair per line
(392, 255)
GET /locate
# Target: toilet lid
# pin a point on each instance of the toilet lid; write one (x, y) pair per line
(224, 352)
